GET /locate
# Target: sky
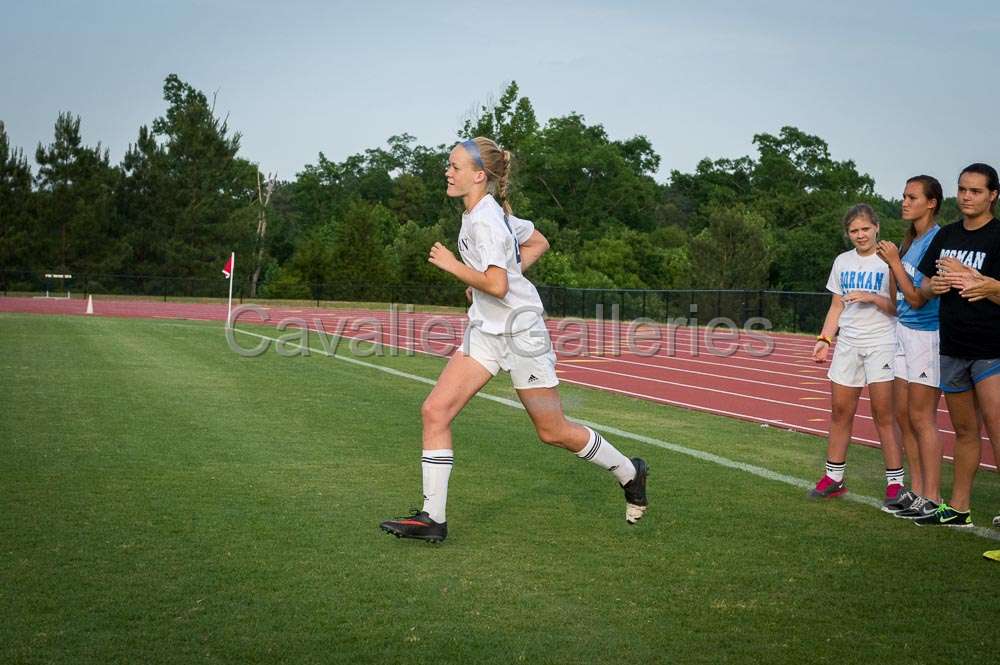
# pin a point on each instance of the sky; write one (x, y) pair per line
(899, 87)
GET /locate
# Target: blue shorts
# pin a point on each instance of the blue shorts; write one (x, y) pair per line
(961, 374)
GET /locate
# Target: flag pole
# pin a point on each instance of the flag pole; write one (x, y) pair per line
(232, 274)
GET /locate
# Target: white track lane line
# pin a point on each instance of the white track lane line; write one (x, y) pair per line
(450, 344)
(680, 338)
(665, 367)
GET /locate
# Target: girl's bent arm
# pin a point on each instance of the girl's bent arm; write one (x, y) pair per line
(913, 295)
(892, 293)
(492, 281)
(822, 346)
(886, 305)
(532, 249)
(831, 323)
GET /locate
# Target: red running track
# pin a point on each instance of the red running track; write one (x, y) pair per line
(728, 374)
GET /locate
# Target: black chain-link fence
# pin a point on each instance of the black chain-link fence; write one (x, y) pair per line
(790, 311)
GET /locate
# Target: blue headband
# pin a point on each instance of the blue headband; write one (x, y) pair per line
(473, 149)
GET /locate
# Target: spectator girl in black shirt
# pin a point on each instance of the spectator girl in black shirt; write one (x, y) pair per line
(963, 267)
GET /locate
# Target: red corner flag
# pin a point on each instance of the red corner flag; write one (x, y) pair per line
(228, 270)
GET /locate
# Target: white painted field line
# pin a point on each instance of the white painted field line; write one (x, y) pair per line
(758, 471)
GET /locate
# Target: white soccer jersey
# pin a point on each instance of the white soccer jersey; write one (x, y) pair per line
(488, 239)
(862, 324)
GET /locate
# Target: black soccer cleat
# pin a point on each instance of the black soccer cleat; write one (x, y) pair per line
(419, 525)
(635, 492)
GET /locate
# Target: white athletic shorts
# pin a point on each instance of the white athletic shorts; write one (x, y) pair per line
(857, 366)
(918, 358)
(527, 355)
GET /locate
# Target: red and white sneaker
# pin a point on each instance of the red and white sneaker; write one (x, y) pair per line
(828, 488)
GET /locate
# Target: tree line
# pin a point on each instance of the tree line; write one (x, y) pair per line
(182, 198)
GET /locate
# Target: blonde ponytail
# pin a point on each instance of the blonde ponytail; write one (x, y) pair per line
(503, 182)
(497, 165)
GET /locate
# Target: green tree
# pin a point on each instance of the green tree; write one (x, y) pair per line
(568, 171)
(208, 192)
(611, 261)
(143, 195)
(311, 266)
(555, 268)
(795, 179)
(732, 251)
(576, 176)
(803, 193)
(360, 247)
(16, 218)
(805, 254)
(409, 253)
(722, 182)
(794, 185)
(77, 222)
(509, 121)
(407, 179)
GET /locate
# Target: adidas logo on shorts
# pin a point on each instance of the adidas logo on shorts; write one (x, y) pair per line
(886, 366)
(923, 375)
(532, 378)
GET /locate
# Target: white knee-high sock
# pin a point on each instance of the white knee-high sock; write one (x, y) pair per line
(600, 451)
(436, 467)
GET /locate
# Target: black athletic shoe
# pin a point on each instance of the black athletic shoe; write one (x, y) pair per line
(635, 492)
(922, 507)
(945, 515)
(904, 499)
(419, 525)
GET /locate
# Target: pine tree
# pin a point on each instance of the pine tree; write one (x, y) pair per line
(16, 219)
(77, 223)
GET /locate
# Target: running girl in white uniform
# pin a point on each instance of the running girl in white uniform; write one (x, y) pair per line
(918, 362)
(506, 332)
(864, 308)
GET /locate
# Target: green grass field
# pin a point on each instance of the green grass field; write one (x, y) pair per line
(166, 500)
